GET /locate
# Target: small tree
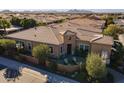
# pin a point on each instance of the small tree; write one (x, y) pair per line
(41, 52)
(113, 30)
(4, 24)
(53, 66)
(95, 67)
(109, 20)
(27, 23)
(7, 45)
(15, 21)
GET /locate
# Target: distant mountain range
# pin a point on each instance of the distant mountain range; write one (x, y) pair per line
(66, 11)
(107, 10)
(79, 11)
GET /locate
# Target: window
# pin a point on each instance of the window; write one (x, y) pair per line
(81, 46)
(29, 46)
(84, 47)
(61, 50)
(87, 47)
(22, 43)
(104, 54)
(51, 49)
(69, 38)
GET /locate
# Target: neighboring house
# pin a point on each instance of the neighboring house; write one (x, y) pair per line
(64, 38)
(10, 30)
(119, 22)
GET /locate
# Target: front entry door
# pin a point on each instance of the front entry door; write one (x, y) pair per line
(69, 49)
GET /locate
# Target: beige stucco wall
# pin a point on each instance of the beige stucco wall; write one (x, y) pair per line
(98, 48)
(72, 42)
(56, 48)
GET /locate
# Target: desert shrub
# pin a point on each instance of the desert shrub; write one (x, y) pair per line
(7, 45)
(52, 66)
(95, 67)
(41, 52)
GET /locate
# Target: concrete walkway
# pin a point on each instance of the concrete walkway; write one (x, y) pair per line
(53, 78)
(118, 77)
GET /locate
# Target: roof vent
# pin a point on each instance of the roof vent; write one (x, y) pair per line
(35, 35)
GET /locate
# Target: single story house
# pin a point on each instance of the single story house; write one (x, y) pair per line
(64, 38)
(119, 22)
(10, 30)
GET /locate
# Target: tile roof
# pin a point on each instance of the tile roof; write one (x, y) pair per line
(40, 34)
(85, 29)
(119, 21)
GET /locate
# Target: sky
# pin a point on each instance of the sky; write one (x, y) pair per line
(61, 4)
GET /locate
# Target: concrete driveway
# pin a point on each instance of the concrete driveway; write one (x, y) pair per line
(53, 78)
(22, 78)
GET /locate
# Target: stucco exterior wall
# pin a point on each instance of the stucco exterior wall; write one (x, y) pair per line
(72, 42)
(98, 48)
(56, 48)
